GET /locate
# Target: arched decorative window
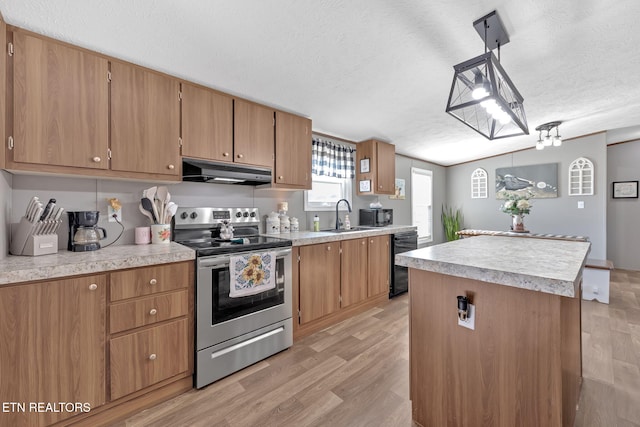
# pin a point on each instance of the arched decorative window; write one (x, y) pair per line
(479, 184)
(581, 173)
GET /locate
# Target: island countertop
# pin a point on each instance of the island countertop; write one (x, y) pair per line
(550, 266)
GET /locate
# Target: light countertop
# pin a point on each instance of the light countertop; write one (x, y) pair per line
(16, 269)
(551, 266)
(302, 238)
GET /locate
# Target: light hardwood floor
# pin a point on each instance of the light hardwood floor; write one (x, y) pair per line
(356, 373)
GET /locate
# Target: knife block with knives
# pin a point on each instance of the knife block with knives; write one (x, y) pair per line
(36, 234)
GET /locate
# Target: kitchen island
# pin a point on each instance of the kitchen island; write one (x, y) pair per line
(521, 364)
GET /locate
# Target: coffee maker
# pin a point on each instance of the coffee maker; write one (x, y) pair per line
(83, 232)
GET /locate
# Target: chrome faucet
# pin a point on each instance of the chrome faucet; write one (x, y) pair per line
(338, 222)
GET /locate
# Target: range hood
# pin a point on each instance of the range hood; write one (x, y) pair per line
(224, 173)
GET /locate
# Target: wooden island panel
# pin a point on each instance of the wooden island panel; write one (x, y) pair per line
(520, 366)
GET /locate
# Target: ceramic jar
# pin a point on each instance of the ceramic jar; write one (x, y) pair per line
(295, 225)
(273, 223)
(285, 224)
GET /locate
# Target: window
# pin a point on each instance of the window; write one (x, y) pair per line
(581, 177)
(325, 193)
(421, 203)
(479, 184)
(332, 172)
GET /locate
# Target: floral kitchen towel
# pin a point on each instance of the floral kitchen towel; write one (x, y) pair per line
(252, 274)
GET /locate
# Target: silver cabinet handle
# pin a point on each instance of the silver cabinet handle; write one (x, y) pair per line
(281, 177)
(93, 287)
(240, 156)
(225, 154)
(153, 312)
(171, 167)
(96, 159)
(153, 281)
(328, 248)
(153, 356)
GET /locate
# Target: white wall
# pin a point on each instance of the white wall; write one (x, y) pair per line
(558, 215)
(623, 231)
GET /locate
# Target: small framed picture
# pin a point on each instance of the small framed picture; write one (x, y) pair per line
(365, 186)
(625, 190)
(364, 166)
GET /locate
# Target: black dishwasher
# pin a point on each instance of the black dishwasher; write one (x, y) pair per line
(402, 242)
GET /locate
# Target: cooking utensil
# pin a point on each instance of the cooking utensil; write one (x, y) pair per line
(149, 206)
(31, 215)
(30, 206)
(145, 212)
(47, 210)
(163, 196)
(171, 211)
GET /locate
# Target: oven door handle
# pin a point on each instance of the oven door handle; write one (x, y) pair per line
(223, 261)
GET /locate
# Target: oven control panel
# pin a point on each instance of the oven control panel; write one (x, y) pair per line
(187, 217)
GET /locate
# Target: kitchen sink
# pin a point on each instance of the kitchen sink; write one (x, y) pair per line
(342, 230)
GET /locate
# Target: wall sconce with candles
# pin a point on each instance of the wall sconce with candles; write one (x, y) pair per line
(482, 95)
(548, 140)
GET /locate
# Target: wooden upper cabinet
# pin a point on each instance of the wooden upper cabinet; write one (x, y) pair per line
(382, 166)
(379, 265)
(207, 124)
(61, 104)
(354, 271)
(53, 337)
(145, 121)
(293, 151)
(3, 89)
(253, 134)
(386, 168)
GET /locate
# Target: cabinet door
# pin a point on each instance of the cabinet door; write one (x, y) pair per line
(354, 271)
(379, 262)
(61, 105)
(207, 124)
(319, 280)
(52, 348)
(253, 135)
(144, 358)
(293, 151)
(386, 168)
(145, 121)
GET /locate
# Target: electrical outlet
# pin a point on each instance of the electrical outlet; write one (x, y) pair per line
(471, 318)
(581, 205)
(111, 212)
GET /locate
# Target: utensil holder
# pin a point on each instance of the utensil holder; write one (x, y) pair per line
(41, 245)
(34, 238)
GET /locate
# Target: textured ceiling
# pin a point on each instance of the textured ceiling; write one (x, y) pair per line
(363, 68)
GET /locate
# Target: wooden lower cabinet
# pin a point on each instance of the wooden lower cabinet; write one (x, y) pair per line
(63, 343)
(52, 348)
(141, 359)
(353, 271)
(339, 279)
(379, 266)
(319, 280)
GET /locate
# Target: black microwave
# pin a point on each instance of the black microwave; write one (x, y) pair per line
(376, 217)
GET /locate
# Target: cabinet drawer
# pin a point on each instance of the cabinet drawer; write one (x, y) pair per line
(149, 280)
(144, 358)
(146, 311)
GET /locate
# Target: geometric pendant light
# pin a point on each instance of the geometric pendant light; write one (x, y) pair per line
(482, 95)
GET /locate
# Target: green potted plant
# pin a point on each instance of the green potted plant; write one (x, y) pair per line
(452, 222)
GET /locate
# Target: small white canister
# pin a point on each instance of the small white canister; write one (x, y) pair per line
(295, 225)
(273, 223)
(285, 224)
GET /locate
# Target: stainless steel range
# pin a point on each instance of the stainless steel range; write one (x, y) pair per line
(236, 325)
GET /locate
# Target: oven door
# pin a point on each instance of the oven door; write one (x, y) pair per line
(220, 318)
